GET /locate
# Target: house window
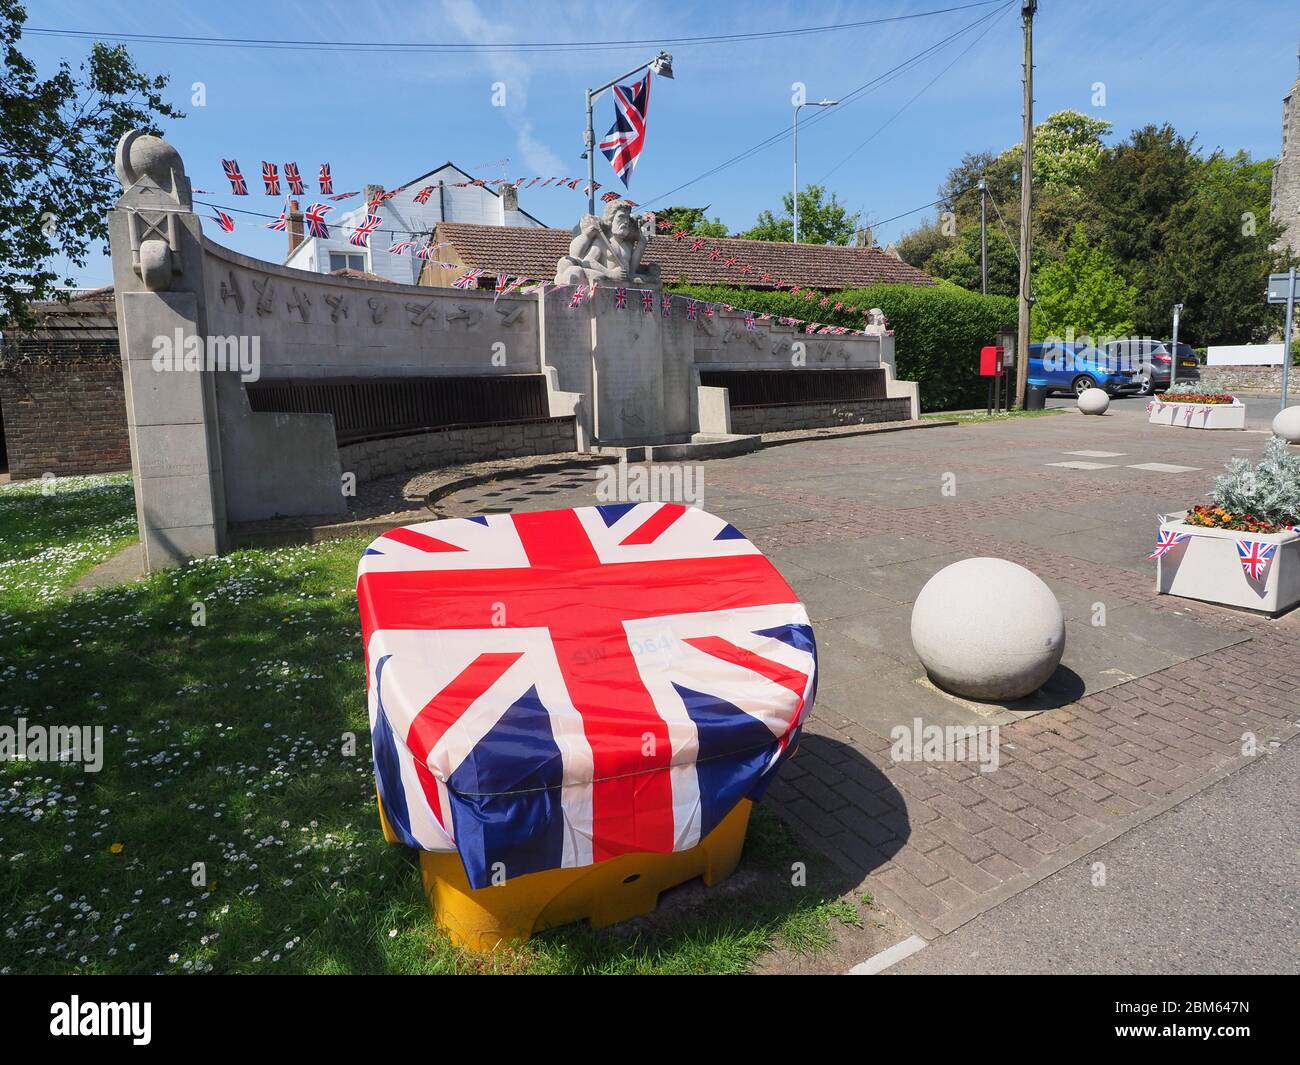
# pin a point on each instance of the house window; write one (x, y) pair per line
(340, 260)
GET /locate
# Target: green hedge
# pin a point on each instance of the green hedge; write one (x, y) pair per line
(938, 329)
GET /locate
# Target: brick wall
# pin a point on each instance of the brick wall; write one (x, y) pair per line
(784, 416)
(64, 416)
(448, 447)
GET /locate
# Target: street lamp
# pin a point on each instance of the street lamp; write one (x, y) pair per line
(817, 103)
(662, 64)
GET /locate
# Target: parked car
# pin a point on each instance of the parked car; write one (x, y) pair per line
(1151, 362)
(1075, 368)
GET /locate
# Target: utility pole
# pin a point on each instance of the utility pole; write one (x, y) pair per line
(984, 240)
(1027, 10)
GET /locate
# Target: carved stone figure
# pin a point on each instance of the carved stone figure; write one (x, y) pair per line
(154, 185)
(608, 248)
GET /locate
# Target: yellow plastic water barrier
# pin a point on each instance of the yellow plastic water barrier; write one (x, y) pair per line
(611, 891)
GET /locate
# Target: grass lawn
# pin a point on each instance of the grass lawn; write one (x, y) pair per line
(977, 416)
(232, 827)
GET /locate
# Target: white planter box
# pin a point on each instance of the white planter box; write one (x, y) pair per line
(1206, 567)
(1218, 416)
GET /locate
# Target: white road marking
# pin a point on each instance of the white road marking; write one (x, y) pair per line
(892, 956)
(1098, 454)
(1083, 465)
(1163, 467)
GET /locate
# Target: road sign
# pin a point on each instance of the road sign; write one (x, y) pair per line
(1278, 287)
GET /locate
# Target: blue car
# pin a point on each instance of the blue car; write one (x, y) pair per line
(1067, 366)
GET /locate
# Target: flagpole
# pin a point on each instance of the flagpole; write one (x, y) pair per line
(661, 64)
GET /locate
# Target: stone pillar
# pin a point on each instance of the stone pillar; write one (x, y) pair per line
(156, 243)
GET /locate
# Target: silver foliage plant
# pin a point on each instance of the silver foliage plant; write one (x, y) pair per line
(1269, 492)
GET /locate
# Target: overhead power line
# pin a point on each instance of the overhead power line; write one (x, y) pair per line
(521, 46)
(823, 113)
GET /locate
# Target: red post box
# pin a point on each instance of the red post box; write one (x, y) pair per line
(991, 361)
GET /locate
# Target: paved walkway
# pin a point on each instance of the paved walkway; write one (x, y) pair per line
(1150, 706)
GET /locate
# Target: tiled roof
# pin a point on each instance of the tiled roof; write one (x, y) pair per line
(360, 275)
(533, 253)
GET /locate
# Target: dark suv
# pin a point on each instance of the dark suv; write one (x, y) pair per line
(1151, 362)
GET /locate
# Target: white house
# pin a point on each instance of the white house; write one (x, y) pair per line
(404, 219)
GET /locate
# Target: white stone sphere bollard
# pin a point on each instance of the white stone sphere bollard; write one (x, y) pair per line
(1287, 424)
(988, 629)
(1093, 401)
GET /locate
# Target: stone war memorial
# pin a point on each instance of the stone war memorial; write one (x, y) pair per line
(254, 390)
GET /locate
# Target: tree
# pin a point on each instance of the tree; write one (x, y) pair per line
(960, 262)
(918, 247)
(57, 138)
(1082, 292)
(1067, 149)
(819, 222)
(691, 219)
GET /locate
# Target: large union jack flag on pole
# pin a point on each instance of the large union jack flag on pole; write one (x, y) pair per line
(626, 137)
(550, 690)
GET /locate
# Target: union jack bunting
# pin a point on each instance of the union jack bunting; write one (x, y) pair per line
(690, 310)
(293, 179)
(344, 196)
(425, 252)
(224, 220)
(1254, 557)
(620, 298)
(565, 737)
(765, 276)
(574, 183)
(505, 286)
(749, 321)
(326, 179)
(423, 195)
(361, 235)
(666, 306)
(238, 186)
(270, 178)
(281, 223)
(626, 137)
(696, 245)
(679, 234)
(1166, 541)
(576, 299)
(746, 269)
(647, 302)
(401, 247)
(714, 253)
(314, 216)
(469, 279)
(731, 260)
(664, 224)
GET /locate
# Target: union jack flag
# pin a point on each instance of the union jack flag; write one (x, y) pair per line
(1254, 557)
(576, 299)
(714, 253)
(626, 137)
(731, 260)
(620, 298)
(401, 247)
(326, 179)
(423, 195)
(666, 305)
(238, 186)
(746, 269)
(426, 252)
(361, 235)
(563, 737)
(690, 310)
(343, 196)
(696, 245)
(469, 279)
(293, 179)
(505, 286)
(224, 220)
(270, 178)
(1166, 541)
(749, 321)
(647, 302)
(314, 216)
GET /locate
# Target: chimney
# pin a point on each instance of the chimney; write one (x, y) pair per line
(509, 201)
(294, 228)
(372, 193)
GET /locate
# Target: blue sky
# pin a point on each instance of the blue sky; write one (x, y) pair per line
(1215, 69)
